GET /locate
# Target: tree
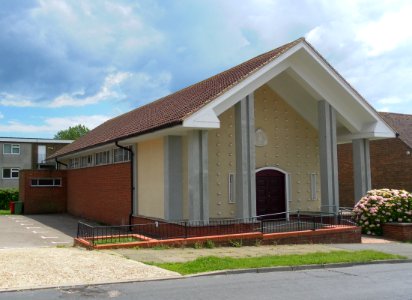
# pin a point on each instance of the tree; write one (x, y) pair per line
(72, 133)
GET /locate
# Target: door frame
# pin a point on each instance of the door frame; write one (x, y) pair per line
(287, 185)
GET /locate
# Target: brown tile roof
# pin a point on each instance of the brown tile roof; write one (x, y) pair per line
(171, 110)
(401, 123)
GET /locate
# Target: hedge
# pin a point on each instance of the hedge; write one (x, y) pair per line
(7, 195)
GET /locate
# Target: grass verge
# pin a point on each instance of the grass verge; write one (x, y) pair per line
(212, 263)
(116, 240)
(4, 211)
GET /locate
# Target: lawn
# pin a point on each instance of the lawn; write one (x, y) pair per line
(116, 240)
(212, 263)
(4, 211)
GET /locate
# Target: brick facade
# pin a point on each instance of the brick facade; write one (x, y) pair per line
(41, 199)
(391, 168)
(100, 193)
(398, 231)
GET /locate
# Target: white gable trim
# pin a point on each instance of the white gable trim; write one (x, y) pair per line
(338, 89)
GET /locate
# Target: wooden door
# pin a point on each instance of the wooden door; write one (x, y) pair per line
(270, 192)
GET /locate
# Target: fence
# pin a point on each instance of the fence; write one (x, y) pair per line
(162, 230)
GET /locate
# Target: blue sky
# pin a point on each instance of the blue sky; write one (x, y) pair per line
(69, 62)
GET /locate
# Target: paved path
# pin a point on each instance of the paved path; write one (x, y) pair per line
(26, 231)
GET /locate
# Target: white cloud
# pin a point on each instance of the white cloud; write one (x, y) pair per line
(107, 91)
(389, 32)
(51, 126)
(7, 99)
(391, 100)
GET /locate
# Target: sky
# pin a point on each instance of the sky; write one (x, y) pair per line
(69, 62)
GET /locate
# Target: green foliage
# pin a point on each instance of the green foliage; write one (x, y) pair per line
(212, 263)
(209, 244)
(236, 243)
(116, 240)
(381, 206)
(198, 245)
(72, 133)
(7, 195)
(4, 212)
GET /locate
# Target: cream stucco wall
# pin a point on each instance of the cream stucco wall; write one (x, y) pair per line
(222, 161)
(150, 170)
(292, 146)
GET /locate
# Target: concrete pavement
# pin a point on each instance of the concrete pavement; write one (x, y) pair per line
(26, 231)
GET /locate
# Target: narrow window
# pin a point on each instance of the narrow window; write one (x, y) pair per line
(313, 186)
(232, 188)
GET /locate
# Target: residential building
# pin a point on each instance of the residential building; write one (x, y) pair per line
(390, 160)
(25, 153)
(259, 138)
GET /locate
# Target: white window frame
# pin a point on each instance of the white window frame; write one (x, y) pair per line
(231, 184)
(124, 155)
(12, 170)
(98, 158)
(86, 161)
(57, 182)
(12, 146)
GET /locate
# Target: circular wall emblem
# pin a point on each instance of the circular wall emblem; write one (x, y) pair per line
(260, 138)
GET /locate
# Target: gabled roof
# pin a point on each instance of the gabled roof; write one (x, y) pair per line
(199, 105)
(171, 110)
(402, 123)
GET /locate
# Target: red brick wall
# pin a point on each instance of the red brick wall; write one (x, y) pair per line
(398, 231)
(100, 193)
(40, 200)
(390, 168)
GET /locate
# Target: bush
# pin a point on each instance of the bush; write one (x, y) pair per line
(7, 195)
(380, 206)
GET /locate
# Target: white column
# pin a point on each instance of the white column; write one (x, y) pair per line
(245, 158)
(361, 167)
(328, 157)
(198, 175)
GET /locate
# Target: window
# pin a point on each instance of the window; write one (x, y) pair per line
(11, 149)
(232, 188)
(120, 155)
(74, 163)
(10, 173)
(86, 161)
(46, 182)
(102, 158)
(313, 187)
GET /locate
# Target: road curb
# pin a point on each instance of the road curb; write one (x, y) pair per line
(300, 268)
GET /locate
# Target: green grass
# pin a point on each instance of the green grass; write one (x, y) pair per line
(212, 263)
(4, 211)
(116, 240)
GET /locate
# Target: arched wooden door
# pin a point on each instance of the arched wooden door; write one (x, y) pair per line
(270, 192)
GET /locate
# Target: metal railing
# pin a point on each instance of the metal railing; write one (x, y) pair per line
(162, 230)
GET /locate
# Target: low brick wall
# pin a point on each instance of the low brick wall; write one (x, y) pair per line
(43, 199)
(398, 231)
(347, 234)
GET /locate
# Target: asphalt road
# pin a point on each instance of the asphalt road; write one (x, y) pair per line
(385, 281)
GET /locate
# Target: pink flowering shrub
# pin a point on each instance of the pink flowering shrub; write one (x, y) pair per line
(380, 206)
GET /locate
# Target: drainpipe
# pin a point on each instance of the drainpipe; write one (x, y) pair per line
(59, 163)
(131, 179)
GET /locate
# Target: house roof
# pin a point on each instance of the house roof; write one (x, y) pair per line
(33, 140)
(402, 123)
(173, 109)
